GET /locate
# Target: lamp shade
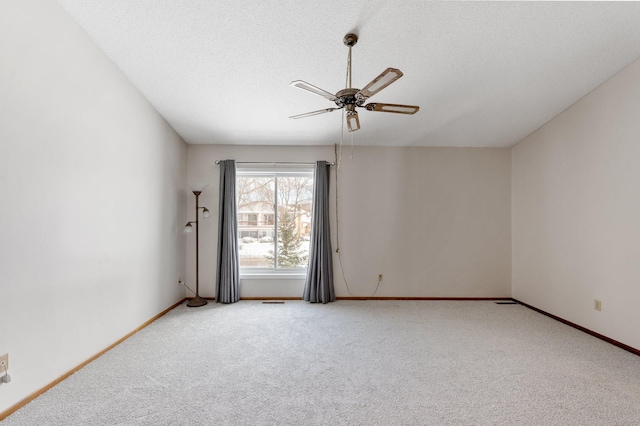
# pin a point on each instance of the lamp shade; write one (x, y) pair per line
(188, 228)
(206, 212)
(198, 186)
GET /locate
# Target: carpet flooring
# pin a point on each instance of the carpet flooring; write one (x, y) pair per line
(350, 363)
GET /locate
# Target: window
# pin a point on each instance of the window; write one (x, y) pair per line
(274, 219)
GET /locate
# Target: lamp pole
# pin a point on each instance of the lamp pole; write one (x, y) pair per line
(197, 300)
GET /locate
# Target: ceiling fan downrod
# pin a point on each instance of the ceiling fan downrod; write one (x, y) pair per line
(347, 97)
(349, 40)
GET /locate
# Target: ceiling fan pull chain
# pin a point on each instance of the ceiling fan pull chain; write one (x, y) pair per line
(339, 156)
(352, 145)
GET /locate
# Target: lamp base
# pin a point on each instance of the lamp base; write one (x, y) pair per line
(196, 301)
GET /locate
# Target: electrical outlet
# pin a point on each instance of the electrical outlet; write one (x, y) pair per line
(597, 305)
(379, 277)
(4, 359)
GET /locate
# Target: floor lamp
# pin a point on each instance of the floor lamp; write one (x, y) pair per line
(188, 228)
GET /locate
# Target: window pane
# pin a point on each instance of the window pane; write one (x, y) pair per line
(274, 219)
(295, 195)
(256, 227)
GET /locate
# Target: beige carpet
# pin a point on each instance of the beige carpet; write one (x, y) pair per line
(350, 363)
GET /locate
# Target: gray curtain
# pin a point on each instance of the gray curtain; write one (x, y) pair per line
(228, 275)
(318, 287)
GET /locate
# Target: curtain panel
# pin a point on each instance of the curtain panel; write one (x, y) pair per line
(318, 287)
(228, 270)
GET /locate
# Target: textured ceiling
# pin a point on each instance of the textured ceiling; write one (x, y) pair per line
(485, 74)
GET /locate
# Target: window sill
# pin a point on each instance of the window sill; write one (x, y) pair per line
(272, 276)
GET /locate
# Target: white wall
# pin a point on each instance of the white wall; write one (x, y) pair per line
(576, 211)
(92, 199)
(436, 222)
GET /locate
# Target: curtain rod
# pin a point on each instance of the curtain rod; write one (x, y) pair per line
(277, 162)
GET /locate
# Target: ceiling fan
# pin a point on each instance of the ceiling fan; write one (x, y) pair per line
(350, 98)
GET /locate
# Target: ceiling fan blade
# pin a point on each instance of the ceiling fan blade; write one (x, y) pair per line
(353, 122)
(313, 89)
(309, 114)
(398, 109)
(387, 77)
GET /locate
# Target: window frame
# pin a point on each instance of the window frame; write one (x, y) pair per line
(275, 172)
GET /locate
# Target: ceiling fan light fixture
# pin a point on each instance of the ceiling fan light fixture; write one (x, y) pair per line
(353, 122)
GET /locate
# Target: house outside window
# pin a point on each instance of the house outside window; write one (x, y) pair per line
(274, 219)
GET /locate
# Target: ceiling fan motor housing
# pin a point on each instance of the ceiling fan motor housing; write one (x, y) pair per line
(348, 97)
